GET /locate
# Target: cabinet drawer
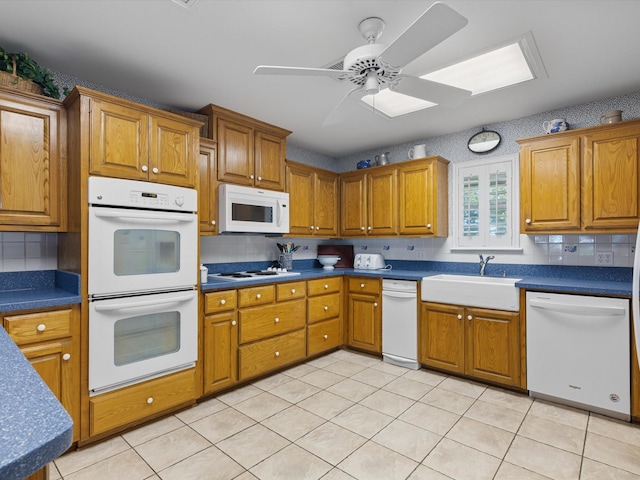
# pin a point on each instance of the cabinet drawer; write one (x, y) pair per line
(364, 285)
(137, 402)
(248, 297)
(267, 321)
(272, 353)
(324, 285)
(323, 307)
(220, 301)
(323, 336)
(290, 291)
(35, 327)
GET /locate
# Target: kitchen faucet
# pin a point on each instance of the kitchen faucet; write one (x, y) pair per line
(483, 263)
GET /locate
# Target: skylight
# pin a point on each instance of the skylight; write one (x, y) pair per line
(502, 66)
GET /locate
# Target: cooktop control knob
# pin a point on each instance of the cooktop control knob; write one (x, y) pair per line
(179, 201)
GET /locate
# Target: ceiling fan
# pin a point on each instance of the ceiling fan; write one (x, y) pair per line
(375, 66)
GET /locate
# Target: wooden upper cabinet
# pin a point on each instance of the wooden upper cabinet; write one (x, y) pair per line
(584, 180)
(382, 202)
(132, 141)
(610, 166)
(313, 198)
(33, 163)
(353, 205)
(550, 185)
(208, 193)
(423, 197)
(250, 152)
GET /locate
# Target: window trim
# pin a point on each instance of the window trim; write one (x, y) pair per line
(514, 246)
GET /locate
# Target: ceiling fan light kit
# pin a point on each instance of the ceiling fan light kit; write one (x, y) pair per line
(374, 67)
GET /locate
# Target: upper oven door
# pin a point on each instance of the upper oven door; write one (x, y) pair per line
(141, 250)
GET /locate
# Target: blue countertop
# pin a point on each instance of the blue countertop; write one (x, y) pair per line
(34, 428)
(38, 289)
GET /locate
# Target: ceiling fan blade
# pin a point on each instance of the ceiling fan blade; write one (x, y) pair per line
(339, 112)
(438, 23)
(431, 91)
(275, 70)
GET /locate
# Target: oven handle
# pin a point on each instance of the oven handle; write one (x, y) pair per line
(142, 216)
(146, 303)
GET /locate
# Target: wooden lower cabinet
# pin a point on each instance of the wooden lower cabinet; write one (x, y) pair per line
(323, 336)
(265, 355)
(324, 315)
(220, 355)
(260, 322)
(364, 314)
(481, 343)
(141, 401)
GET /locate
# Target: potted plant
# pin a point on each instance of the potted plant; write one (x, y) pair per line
(22, 72)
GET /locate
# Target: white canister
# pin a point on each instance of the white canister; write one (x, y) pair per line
(204, 274)
(419, 151)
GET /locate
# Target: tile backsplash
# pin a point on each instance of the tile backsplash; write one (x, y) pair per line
(28, 251)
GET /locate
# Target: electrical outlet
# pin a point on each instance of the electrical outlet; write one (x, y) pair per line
(422, 255)
(604, 258)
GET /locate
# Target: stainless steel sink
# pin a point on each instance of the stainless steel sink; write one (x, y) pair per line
(498, 293)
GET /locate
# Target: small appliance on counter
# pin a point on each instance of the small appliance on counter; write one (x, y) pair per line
(345, 252)
(369, 261)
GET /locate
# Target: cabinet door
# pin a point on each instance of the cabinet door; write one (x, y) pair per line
(32, 185)
(119, 141)
(235, 153)
(173, 152)
(325, 205)
(493, 345)
(441, 342)
(550, 185)
(353, 211)
(300, 188)
(423, 198)
(365, 322)
(208, 194)
(220, 351)
(611, 192)
(269, 161)
(58, 364)
(382, 202)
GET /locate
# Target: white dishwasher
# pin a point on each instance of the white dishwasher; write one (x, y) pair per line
(578, 351)
(400, 323)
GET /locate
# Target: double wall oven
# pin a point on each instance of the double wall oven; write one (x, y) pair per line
(143, 270)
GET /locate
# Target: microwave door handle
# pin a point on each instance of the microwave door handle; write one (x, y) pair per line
(146, 216)
(279, 214)
(144, 303)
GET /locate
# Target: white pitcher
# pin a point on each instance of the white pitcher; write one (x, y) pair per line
(419, 151)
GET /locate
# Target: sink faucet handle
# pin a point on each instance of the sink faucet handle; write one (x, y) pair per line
(481, 259)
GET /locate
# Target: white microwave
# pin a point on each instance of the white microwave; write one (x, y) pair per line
(252, 210)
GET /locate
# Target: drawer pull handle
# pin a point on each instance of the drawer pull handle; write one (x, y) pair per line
(223, 301)
(277, 354)
(42, 327)
(276, 320)
(326, 307)
(150, 400)
(326, 337)
(375, 304)
(326, 286)
(233, 323)
(66, 357)
(259, 296)
(362, 285)
(469, 317)
(293, 290)
(459, 317)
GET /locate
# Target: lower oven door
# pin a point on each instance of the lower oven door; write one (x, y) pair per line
(135, 338)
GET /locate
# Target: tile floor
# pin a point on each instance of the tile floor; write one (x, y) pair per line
(347, 415)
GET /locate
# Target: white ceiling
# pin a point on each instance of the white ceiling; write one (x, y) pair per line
(187, 58)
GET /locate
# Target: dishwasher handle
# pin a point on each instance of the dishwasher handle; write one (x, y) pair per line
(393, 294)
(577, 309)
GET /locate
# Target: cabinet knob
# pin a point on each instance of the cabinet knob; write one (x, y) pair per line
(259, 179)
(325, 337)
(459, 317)
(293, 290)
(362, 285)
(233, 323)
(155, 170)
(42, 327)
(251, 177)
(66, 357)
(276, 320)
(223, 302)
(311, 227)
(150, 400)
(369, 228)
(213, 222)
(375, 304)
(326, 286)
(277, 354)
(144, 168)
(469, 317)
(362, 228)
(259, 296)
(527, 221)
(317, 228)
(428, 225)
(326, 307)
